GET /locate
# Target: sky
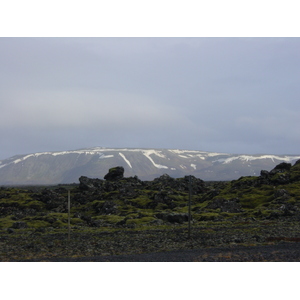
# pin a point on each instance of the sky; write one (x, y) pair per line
(164, 75)
(233, 95)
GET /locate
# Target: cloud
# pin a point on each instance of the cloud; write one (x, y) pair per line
(72, 109)
(218, 94)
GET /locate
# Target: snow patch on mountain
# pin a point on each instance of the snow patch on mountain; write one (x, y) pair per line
(147, 153)
(126, 160)
(201, 156)
(250, 158)
(194, 153)
(18, 160)
(183, 156)
(210, 154)
(2, 166)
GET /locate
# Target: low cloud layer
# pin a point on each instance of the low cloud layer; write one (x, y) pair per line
(237, 95)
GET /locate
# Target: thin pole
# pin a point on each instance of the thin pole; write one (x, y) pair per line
(190, 200)
(69, 223)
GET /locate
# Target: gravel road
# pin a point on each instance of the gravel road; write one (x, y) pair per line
(281, 252)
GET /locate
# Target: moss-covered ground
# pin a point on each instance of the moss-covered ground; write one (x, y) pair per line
(34, 221)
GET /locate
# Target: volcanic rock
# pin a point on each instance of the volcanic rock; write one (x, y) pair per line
(173, 217)
(282, 167)
(89, 183)
(230, 206)
(115, 174)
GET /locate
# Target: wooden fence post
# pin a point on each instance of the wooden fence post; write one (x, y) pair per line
(69, 221)
(190, 200)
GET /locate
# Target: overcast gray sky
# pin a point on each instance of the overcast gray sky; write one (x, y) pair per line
(235, 95)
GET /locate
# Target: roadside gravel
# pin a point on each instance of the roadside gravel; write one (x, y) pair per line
(250, 242)
(282, 252)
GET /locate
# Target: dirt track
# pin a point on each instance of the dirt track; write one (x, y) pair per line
(282, 252)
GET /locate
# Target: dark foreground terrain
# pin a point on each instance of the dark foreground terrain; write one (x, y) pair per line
(242, 242)
(253, 218)
(285, 252)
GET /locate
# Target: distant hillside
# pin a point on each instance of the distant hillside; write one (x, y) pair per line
(147, 164)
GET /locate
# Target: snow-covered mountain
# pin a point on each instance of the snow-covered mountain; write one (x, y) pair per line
(147, 164)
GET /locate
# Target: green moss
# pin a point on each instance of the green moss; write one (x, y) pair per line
(96, 204)
(180, 198)
(255, 198)
(37, 223)
(209, 216)
(292, 201)
(8, 202)
(140, 221)
(199, 206)
(293, 189)
(140, 201)
(59, 224)
(61, 216)
(132, 215)
(113, 219)
(38, 205)
(181, 209)
(228, 192)
(295, 174)
(110, 195)
(230, 215)
(249, 196)
(19, 199)
(76, 221)
(126, 209)
(161, 206)
(261, 213)
(6, 222)
(277, 177)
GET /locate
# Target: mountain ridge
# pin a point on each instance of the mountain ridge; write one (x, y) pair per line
(147, 163)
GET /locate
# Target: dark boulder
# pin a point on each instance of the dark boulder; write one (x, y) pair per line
(282, 167)
(166, 182)
(19, 225)
(165, 178)
(115, 173)
(173, 217)
(264, 174)
(89, 183)
(10, 230)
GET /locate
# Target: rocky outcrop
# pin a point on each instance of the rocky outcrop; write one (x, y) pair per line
(86, 183)
(115, 174)
(283, 173)
(282, 167)
(166, 182)
(128, 202)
